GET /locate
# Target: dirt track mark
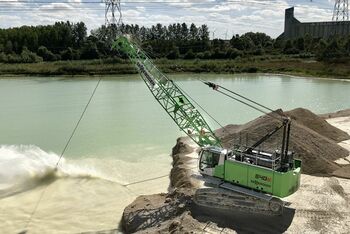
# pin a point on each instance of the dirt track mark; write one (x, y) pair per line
(320, 214)
(336, 187)
(211, 227)
(319, 220)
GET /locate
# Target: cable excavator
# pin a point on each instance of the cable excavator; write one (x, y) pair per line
(239, 178)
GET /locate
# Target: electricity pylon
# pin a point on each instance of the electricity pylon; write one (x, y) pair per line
(112, 6)
(341, 10)
(113, 24)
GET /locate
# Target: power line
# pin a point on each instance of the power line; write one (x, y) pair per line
(256, 2)
(157, 2)
(145, 4)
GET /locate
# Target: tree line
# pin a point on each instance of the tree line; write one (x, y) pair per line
(70, 41)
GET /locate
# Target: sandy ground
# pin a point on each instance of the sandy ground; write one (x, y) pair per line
(342, 123)
(321, 205)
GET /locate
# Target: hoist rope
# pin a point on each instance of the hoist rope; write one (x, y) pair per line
(63, 151)
(210, 84)
(245, 103)
(250, 100)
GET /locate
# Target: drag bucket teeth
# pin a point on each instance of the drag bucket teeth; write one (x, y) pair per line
(218, 198)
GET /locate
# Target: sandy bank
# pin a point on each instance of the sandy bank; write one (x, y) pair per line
(320, 205)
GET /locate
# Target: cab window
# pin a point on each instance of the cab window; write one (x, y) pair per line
(209, 160)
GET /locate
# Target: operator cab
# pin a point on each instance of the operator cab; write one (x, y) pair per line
(210, 157)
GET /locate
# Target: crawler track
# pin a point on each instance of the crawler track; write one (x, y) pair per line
(219, 198)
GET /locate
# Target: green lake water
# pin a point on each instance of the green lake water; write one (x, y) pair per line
(124, 137)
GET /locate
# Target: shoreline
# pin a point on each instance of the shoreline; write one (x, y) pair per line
(112, 76)
(288, 67)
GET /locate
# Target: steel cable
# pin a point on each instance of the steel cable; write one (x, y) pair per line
(63, 151)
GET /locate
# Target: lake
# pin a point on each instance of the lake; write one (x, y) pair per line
(124, 137)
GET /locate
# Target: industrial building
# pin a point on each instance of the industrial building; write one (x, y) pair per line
(293, 28)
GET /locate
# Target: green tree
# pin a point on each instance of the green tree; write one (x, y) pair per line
(3, 57)
(174, 54)
(89, 50)
(79, 34)
(299, 44)
(29, 57)
(13, 58)
(8, 47)
(331, 51)
(193, 34)
(204, 33)
(70, 54)
(289, 48)
(184, 31)
(189, 55)
(233, 53)
(46, 54)
(347, 46)
(237, 43)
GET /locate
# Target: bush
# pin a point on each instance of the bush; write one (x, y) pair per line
(200, 55)
(30, 57)
(13, 58)
(72, 70)
(189, 55)
(218, 54)
(70, 54)
(207, 55)
(174, 54)
(46, 54)
(250, 69)
(3, 58)
(289, 48)
(258, 51)
(305, 55)
(113, 60)
(291, 51)
(90, 51)
(347, 46)
(233, 53)
(331, 52)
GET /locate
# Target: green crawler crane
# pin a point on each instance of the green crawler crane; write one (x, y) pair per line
(241, 178)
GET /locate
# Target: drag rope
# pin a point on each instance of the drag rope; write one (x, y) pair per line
(63, 151)
(153, 178)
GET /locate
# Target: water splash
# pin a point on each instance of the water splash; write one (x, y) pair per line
(23, 167)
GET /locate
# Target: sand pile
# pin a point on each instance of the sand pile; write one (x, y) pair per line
(312, 139)
(341, 113)
(171, 212)
(319, 125)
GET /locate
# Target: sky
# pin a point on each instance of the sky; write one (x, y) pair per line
(223, 17)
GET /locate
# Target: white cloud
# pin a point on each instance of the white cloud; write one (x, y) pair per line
(231, 16)
(56, 7)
